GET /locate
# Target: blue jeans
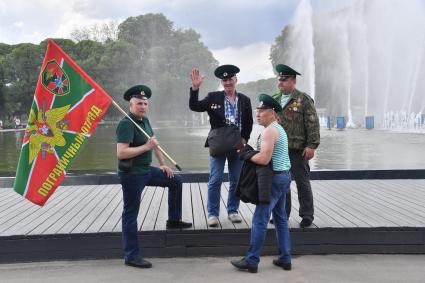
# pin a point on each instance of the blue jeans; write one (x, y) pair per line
(216, 179)
(132, 188)
(281, 185)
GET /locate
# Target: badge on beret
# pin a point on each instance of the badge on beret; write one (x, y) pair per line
(226, 71)
(139, 91)
(285, 70)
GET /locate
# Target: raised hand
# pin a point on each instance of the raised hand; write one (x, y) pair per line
(196, 78)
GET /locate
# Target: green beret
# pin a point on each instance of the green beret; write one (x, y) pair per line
(284, 71)
(139, 91)
(268, 102)
(226, 71)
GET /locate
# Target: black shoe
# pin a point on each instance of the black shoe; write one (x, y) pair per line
(305, 222)
(244, 265)
(138, 262)
(172, 224)
(285, 266)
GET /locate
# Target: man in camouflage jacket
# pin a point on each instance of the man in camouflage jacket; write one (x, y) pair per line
(301, 123)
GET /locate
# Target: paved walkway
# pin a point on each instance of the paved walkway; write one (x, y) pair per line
(317, 269)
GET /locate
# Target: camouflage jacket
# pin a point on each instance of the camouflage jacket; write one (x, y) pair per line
(300, 120)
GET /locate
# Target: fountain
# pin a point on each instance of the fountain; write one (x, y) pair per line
(363, 61)
(302, 35)
(401, 120)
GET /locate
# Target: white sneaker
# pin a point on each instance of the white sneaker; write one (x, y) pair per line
(235, 218)
(213, 221)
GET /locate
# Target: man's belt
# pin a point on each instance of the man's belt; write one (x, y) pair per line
(280, 172)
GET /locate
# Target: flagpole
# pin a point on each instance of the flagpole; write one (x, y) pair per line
(146, 134)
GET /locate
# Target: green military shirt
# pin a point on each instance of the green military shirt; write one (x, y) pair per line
(300, 120)
(128, 133)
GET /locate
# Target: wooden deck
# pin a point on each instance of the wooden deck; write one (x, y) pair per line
(350, 216)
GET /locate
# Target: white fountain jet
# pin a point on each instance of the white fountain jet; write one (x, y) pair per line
(367, 59)
(301, 38)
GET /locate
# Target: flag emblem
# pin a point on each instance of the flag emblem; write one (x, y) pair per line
(44, 131)
(55, 79)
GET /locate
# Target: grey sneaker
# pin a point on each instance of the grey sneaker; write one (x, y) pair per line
(213, 221)
(235, 218)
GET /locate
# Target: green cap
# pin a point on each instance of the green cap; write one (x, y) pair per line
(139, 91)
(284, 71)
(268, 102)
(226, 71)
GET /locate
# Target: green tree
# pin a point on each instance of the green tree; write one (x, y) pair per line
(253, 89)
(88, 54)
(21, 68)
(148, 50)
(282, 49)
(67, 45)
(118, 68)
(2, 101)
(98, 32)
(5, 49)
(166, 58)
(146, 31)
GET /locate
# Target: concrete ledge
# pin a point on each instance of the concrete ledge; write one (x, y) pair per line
(206, 243)
(368, 174)
(101, 179)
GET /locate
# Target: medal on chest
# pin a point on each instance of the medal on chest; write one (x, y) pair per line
(296, 105)
(215, 106)
(289, 113)
(293, 106)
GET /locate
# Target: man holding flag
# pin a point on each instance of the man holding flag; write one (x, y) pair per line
(134, 152)
(67, 107)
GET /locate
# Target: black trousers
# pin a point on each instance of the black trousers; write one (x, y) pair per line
(300, 171)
